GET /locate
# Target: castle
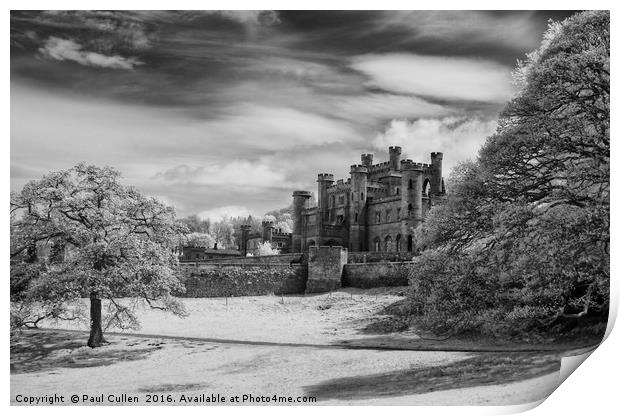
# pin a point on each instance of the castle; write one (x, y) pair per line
(376, 209)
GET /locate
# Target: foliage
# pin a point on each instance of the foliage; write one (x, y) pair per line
(521, 244)
(105, 239)
(266, 249)
(199, 240)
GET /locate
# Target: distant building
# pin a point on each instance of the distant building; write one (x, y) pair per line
(277, 238)
(203, 253)
(376, 209)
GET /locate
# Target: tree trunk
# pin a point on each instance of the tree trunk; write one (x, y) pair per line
(96, 332)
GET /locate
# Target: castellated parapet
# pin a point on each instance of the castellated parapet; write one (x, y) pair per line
(375, 209)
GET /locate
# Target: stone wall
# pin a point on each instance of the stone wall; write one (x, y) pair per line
(368, 275)
(325, 266)
(215, 280)
(278, 258)
(379, 256)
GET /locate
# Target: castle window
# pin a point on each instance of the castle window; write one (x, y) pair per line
(388, 243)
(409, 210)
(362, 196)
(341, 200)
(356, 217)
(377, 217)
(410, 183)
(397, 191)
(340, 219)
(426, 189)
(377, 244)
(397, 213)
(398, 242)
(388, 215)
(410, 243)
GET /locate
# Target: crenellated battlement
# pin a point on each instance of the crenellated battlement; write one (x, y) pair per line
(325, 177)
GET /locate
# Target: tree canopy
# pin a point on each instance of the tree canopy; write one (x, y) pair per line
(521, 244)
(104, 240)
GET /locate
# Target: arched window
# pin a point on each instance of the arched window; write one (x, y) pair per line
(409, 210)
(388, 215)
(398, 214)
(377, 244)
(398, 243)
(388, 243)
(378, 217)
(362, 196)
(356, 217)
(410, 183)
(311, 243)
(397, 191)
(426, 189)
(410, 243)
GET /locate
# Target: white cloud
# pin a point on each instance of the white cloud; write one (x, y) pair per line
(511, 30)
(257, 17)
(459, 138)
(216, 214)
(379, 105)
(68, 50)
(238, 173)
(439, 77)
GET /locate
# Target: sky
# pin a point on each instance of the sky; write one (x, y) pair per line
(228, 112)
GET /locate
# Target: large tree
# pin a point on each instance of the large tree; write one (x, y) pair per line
(105, 241)
(522, 241)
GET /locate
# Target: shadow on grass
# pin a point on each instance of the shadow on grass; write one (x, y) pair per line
(33, 351)
(477, 370)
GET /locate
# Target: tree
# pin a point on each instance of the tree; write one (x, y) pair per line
(195, 224)
(199, 240)
(266, 249)
(521, 244)
(222, 231)
(111, 242)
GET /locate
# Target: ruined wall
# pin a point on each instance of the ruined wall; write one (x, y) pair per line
(325, 265)
(247, 280)
(368, 275)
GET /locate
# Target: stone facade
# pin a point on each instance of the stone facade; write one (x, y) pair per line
(376, 209)
(325, 267)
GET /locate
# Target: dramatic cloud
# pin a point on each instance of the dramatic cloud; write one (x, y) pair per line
(68, 50)
(508, 30)
(238, 173)
(257, 17)
(459, 138)
(224, 112)
(439, 77)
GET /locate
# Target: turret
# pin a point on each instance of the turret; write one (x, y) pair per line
(411, 191)
(325, 180)
(395, 152)
(267, 230)
(357, 207)
(436, 178)
(245, 232)
(300, 202)
(367, 159)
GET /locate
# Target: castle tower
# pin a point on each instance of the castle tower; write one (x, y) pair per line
(395, 152)
(300, 202)
(367, 159)
(357, 207)
(267, 231)
(325, 180)
(245, 232)
(411, 191)
(437, 187)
